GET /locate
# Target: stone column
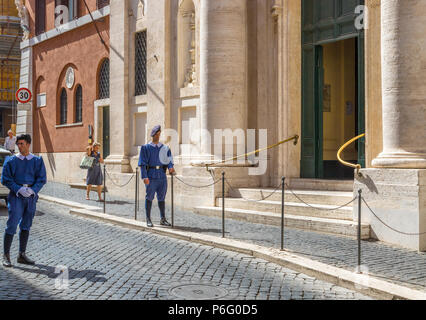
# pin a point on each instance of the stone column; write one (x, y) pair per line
(396, 189)
(119, 87)
(223, 67)
(403, 84)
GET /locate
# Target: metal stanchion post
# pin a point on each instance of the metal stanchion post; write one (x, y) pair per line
(136, 194)
(104, 188)
(282, 213)
(359, 230)
(223, 204)
(173, 204)
(139, 191)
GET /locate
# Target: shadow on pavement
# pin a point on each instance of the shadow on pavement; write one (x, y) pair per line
(53, 272)
(194, 229)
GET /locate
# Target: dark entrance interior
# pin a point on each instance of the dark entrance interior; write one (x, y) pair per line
(332, 88)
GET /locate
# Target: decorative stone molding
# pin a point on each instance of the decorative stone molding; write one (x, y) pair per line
(187, 44)
(276, 11)
(23, 14)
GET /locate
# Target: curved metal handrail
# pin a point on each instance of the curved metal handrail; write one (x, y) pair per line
(207, 165)
(345, 163)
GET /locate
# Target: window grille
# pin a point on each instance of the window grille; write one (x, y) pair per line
(63, 113)
(79, 104)
(40, 23)
(102, 3)
(140, 63)
(103, 80)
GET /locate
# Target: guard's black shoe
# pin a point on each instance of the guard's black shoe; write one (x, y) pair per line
(164, 222)
(22, 258)
(149, 224)
(6, 261)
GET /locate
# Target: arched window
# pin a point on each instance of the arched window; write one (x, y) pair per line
(64, 106)
(103, 81)
(79, 104)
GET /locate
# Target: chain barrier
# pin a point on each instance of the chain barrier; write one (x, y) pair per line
(313, 207)
(252, 200)
(198, 187)
(116, 184)
(384, 223)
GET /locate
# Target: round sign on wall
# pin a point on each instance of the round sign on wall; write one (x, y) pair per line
(23, 95)
(69, 77)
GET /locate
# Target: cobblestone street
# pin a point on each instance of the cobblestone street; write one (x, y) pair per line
(110, 262)
(394, 264)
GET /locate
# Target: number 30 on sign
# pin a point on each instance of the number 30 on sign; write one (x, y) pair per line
(23, 95)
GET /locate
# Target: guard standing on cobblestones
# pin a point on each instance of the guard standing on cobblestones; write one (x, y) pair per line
(24, 175)
(154, 160)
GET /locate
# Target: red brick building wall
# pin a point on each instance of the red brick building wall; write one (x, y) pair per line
(82, 49)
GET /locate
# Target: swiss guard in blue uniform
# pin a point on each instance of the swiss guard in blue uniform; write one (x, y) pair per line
(24, 175)
(154, 160)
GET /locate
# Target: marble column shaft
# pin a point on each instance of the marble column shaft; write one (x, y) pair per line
(403, 84)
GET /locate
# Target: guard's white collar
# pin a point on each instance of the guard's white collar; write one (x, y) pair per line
(159, 145)
(28, 157)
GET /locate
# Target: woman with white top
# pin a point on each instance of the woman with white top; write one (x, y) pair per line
(10, 141)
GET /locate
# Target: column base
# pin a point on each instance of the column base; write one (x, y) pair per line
(401, 160)
(398, 198)
(117, 163)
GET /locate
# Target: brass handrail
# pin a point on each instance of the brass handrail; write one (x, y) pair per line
(295, 138)
(348, 164)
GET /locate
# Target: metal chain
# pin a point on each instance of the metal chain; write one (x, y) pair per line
(397, 231)
(251, 200)
(324, 209)
(116, 184)
(199, 187)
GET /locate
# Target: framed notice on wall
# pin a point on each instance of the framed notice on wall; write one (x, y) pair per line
(326, 98)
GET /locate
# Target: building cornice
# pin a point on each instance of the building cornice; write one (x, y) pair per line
(70, 26)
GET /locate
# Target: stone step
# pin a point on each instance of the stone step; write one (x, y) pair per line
(332, 198)
(321, 184)
(292, 208)
(323, 225)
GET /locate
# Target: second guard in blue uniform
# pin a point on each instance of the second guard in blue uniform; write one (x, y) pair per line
(154, 160)
(24, 175)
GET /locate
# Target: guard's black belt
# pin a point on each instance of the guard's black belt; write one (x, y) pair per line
(25, 185)
(157, 167)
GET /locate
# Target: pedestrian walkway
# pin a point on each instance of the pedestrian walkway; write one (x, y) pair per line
(397, 265)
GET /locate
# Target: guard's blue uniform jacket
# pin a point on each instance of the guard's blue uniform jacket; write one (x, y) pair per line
(153, 155)
(18, 171)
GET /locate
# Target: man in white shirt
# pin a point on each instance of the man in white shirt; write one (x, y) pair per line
(10, 141)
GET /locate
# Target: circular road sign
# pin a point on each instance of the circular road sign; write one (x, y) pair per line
(23, 95)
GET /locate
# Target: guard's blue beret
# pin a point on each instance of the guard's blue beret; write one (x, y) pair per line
(155, 130)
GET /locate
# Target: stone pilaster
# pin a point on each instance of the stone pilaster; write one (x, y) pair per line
(223, 68)
(158, 65)
(119, 84)
(403, 84)
(24, 121)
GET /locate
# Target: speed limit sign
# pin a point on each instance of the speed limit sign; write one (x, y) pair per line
(23, 95)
